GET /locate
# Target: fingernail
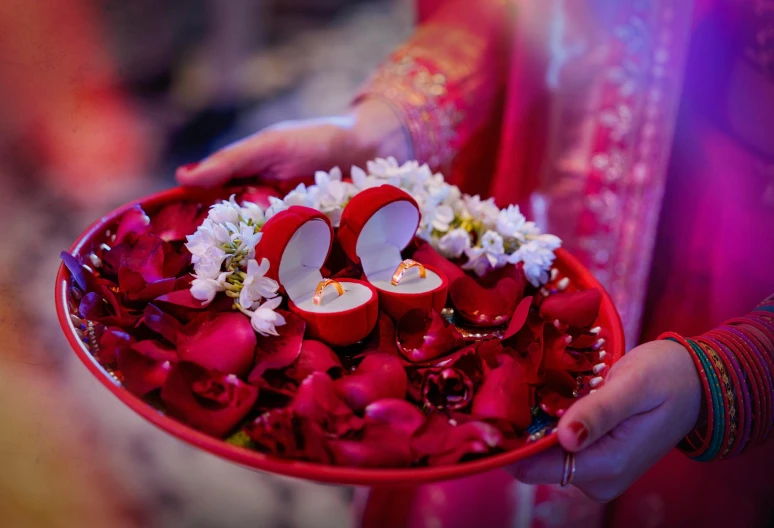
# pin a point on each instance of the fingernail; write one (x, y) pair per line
(190, 166)
(580, 432)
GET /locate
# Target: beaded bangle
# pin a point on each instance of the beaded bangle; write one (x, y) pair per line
(754, 377)
(724, 369)
(704, 441)
(744, 413)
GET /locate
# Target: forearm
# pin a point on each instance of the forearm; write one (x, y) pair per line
(443, 83)
(736, 364)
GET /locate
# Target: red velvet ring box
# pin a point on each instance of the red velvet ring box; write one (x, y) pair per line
(297, 242)
(376, 225)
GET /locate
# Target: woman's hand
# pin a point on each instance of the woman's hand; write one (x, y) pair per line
(650, 400)
(294, 150)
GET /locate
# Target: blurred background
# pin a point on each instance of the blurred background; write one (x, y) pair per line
(99, 101)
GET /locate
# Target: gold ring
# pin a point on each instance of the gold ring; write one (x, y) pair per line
(403, 267)
(568, 473)
(317, 299)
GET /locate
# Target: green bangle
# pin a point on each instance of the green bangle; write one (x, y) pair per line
(718, 429)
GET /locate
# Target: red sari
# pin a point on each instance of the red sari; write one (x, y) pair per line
(641, 133)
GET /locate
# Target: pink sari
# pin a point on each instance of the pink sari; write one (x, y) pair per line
(641, 132)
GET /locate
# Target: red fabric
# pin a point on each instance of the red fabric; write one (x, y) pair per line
(686, 224)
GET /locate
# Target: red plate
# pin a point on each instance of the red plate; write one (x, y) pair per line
(566, 264)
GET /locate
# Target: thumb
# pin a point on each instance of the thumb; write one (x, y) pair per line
(242, 159)
(593, 416)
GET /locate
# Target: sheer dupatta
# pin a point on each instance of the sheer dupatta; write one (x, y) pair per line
(565, 107)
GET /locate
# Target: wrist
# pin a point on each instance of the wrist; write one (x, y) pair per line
(377, 131)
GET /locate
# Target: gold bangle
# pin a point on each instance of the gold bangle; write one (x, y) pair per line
(317, 299)
(403, 267)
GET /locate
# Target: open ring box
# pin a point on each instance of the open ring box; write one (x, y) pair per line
(297, 243)
(376, 226)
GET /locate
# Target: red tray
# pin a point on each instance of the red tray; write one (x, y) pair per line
(566, 264)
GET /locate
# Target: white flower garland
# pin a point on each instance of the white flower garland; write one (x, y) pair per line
(455, 224)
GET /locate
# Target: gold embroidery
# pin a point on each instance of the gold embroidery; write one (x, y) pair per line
(430, 81)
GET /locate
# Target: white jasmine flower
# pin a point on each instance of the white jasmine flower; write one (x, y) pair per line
(361, 180)
(332, 193)
(225, 211)
(454, 243)
(510, 222)
(244, 238)
(478, 261)
(490, 255)
(275, 206)
(205, 289)
(492, 243)
(537, 259)
(301, 196)
(253, 213)
(208, 263)
(265, 319)
(440, 218)
(256, 285)
(485, 211)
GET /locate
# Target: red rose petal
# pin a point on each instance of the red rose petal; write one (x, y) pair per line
(318, 401)
(104, 307)
(145, 255)
(259, 195)
(382, 339)
(133, 224)
(176, 221)
(111, 342)
(448, 388)
(396, 414)
(425, 254)
(275, 432)
(441, 443)
(315, 356)
(554, 346)
(560, 382)
(278, 352)
(224, 342)
(485, 307)
(577, 309)
(144, 366)
(509, 271)
(505, 395)
(183, 306)
(423, 335)
(165, 325)
(519, 318)
(554, 404)
(378, 376)
(75, 267)
(208, 400)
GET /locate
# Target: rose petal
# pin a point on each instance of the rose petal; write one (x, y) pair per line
(485, 307)
(111, 342)
(174, 222)
(505, 395)
(318, 401)
(397, 414)
(144, 366)
(554, 346)
(145, 255)
(259, 195)
(423, 335)
(560, 381)
(509, 271)
(426, 255)
(378, 376)
(75, 267)
(447, 388)
(531, 331)
(577, 309)
(183, 306)
(177, 259)
(382, 339)
(133, 223)
(275, 432)
(552, 403)
(208, 400)
(224, 342)
(165, 325)
(278, 352)
(104, 307)
(441, 443)
(519, 318)
(315, 357)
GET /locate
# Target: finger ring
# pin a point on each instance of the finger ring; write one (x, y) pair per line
(317, 299)
(569, 469)
(405, 266)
